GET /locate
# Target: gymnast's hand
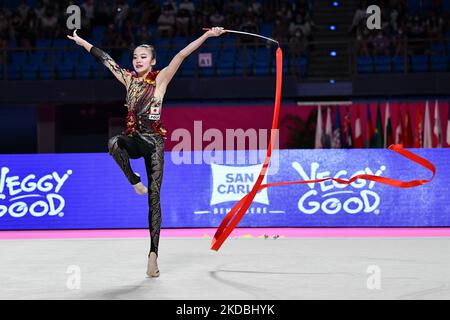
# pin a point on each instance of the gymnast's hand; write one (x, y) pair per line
(215, 32)
(79, 41)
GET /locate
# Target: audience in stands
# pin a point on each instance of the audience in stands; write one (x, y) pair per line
(401, 29)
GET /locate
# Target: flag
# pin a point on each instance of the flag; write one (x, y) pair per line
(447, 138)
(347, 141)
(408, 135)
(399, 129)
(358, 132)
(437, 129)
(370, 130)
(319, 130)
(427, 128)
(388, 138)
(418, 129)
(326, 138)
(336, 141)
(379, 130)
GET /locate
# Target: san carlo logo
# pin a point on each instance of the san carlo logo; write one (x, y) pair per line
(332, 197)
(37, 196)
(231, 183)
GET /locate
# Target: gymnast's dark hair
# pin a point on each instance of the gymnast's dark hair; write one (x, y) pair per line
(150, 47)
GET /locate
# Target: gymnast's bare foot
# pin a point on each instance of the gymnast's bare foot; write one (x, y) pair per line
(140, 188)
(152, 266)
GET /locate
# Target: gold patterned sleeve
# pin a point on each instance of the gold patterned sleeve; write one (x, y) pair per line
(121, 74)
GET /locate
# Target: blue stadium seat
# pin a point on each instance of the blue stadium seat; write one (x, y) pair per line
(364, 64)
(1, 71)
(61, 43)
(382, 64)
(438, 48)
(97, 33)
(419, 63)
(83, 72)
(64, 69)
(45, 71)
(14, 72)
(398, 64)
(44, 43)
(206, 71)
(438, 63)
(18, 57)
(30, 72)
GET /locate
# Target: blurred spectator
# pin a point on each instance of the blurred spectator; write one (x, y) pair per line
(103, 13)
(182, 22)
(416, 27)
(128, 33)
(187, 5)
(120, 13)
(49, 24)
(298, 44)
(89, 9)
(143, 35)
(256, 7)
(281, 30)
(23, 9)
(285, 12)
(170, 6)
(360, 15)
(150, 12)
(198, 22)
(362, 40)
(236, 7)
(434, 26)
(380, 44)
(216, 19)
(166, 24)
(399, 40)
(249, 25)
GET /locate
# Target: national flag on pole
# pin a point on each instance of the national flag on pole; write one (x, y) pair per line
(437, 129)
(358, 132)
(336, 141)
(427, 140)
(447, 138)
(418, 129)
(388, 137)
(326, 138)
(370, 143)
(347, 141)
(379, 130)
(319, 129)
(399, 129)
(408, 135)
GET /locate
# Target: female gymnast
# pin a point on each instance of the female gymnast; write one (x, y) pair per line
(145, 133)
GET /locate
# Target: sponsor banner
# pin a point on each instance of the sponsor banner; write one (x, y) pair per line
(88, 191)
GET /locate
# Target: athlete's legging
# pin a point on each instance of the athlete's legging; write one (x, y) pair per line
(151, 147)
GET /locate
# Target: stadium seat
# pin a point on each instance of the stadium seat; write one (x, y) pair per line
(14, 72)
(382, 64)
(30, 72)
(398, 64)
(419, 63)
(364, 64)
(45, 71)
(438, 63)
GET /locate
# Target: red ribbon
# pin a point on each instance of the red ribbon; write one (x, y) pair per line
(232, 219)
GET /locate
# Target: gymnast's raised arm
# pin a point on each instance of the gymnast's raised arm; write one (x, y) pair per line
(122, 75)
(166, 74)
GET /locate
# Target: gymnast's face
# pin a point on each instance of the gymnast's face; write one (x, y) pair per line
(143, 60)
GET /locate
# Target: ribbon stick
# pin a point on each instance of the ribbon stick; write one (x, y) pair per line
(248, 34)
(236, 214)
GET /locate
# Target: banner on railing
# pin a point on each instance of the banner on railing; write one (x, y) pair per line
(88, 191)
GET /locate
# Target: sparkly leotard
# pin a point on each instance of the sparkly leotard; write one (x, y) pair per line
(144, 108)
